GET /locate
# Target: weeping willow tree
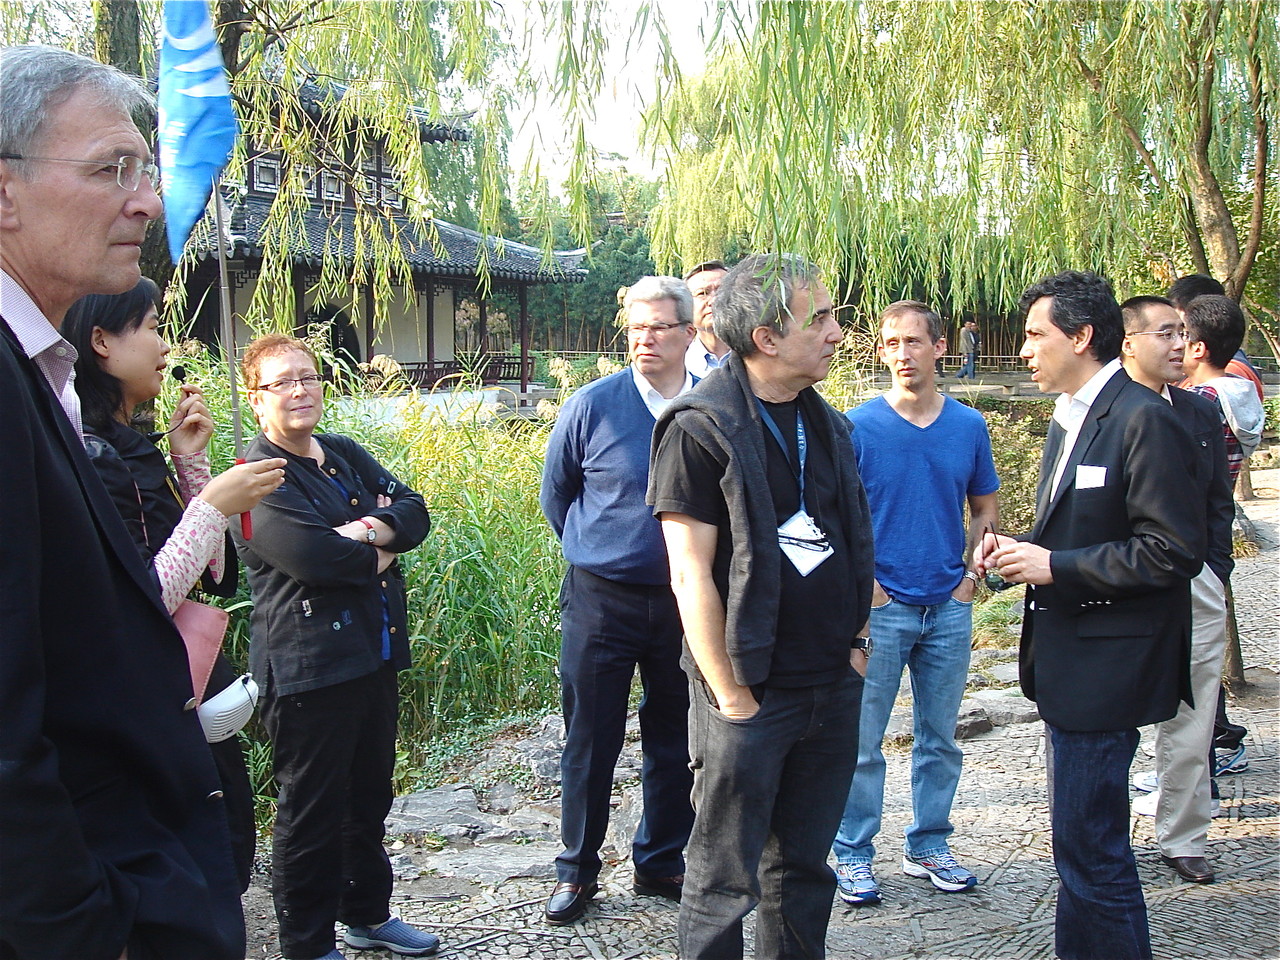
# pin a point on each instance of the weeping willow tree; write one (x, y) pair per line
(397, 66)
(984, 144)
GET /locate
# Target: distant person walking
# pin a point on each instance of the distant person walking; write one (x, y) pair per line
(970, 345)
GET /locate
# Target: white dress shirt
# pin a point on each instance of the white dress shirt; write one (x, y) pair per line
(1070, 409)
(655, 401)
(700, 361)
(55, 357)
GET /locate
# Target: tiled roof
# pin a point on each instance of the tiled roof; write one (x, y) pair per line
(330, 232)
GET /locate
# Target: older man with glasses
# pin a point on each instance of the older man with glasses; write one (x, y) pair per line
(617, 610)
(113, 837)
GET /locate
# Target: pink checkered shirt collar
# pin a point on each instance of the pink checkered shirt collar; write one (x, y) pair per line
(43, 344)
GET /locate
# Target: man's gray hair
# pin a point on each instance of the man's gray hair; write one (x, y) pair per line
(36, 80)
(653, 289)
(757, 292)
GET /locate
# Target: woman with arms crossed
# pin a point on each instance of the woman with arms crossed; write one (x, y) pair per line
(329, 636)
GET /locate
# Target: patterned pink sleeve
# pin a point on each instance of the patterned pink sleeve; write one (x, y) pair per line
(194, 544)
(193, 473)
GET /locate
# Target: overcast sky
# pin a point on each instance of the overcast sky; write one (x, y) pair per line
(616, 125)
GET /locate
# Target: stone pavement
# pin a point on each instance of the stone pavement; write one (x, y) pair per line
(479, 877)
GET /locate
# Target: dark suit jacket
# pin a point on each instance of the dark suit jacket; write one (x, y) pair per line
(1107, 645)
(111, 832)
(1203, 420)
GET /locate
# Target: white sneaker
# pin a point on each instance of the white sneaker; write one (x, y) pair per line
(1145, 805)
(1146, 782)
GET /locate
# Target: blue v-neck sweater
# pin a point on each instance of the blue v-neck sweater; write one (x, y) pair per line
(594, 481)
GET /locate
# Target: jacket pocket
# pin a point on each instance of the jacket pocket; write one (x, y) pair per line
(1101, 622)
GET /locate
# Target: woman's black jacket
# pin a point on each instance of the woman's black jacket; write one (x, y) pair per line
(318, 613)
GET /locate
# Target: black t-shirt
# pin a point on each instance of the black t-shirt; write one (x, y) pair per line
(815, 613)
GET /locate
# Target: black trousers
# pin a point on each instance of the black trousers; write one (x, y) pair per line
(608, 630)
(334, 756)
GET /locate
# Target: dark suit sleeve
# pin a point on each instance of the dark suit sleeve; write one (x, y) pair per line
(54, 893)
(1221, 506)
(1168, 538)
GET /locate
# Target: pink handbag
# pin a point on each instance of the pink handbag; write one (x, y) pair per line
(202, 628)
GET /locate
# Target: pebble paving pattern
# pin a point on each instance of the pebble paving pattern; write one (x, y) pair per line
(1001, 821)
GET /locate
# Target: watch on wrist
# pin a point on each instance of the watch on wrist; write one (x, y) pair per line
(970, 575)
(370, 535)
(862, 643)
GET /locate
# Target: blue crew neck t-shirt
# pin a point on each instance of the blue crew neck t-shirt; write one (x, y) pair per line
(917, 480)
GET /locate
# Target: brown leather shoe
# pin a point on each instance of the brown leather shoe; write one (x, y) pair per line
(669, 887)
(568, 901)
(1195, 869)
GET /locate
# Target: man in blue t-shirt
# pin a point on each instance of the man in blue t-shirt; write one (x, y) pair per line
(921, 456)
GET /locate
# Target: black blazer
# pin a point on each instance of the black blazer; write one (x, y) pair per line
(110, 830)
(1107, 645)
(318, 599)
(1204, 421)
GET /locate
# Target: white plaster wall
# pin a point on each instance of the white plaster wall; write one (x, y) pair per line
(403, 335)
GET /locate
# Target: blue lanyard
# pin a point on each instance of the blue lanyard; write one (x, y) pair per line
(802, 446)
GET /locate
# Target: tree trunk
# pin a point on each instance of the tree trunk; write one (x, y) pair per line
(1233, 664)
(117, 35)
(1244, 483)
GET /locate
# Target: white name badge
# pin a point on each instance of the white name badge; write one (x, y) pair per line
(803, 543)
(1090, 478)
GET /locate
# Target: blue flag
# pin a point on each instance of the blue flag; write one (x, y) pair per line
(197, 124)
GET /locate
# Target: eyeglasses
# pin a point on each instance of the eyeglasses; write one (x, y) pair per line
(129, 170)
(638, 329)
(286, 384)
(1168, 336)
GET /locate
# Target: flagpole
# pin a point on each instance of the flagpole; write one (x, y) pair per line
(229, 341)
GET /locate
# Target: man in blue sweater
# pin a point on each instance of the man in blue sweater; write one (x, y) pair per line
(617, 610)
(922, 456)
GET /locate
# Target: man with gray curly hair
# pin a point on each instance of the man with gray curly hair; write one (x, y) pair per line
(113, 837)
(755, 481)
(617, 611)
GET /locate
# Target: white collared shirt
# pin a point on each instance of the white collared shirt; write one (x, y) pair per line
(655, 401)
(700, 361)
(41, 342)
(1070, 410)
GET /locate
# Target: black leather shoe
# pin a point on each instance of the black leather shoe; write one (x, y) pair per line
(1195, 869)
(669, 887)
(569, 901)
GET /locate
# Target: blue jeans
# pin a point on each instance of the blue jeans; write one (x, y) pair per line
(969, 367)
(932, 643)
(768, 793)
(1101, 914)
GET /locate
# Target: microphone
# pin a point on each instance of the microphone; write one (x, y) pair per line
(178, 373)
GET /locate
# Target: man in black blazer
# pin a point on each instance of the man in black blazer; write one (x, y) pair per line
(1155, 339)
(113, 838)
(1106, 631)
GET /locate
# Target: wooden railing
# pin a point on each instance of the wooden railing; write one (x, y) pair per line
(495, 368)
